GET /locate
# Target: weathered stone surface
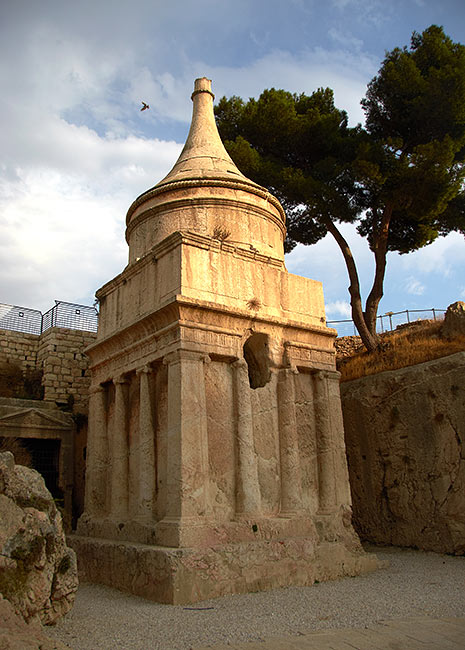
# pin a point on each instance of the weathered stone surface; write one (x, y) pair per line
(16, 634)
(187, 575)
(405, 432)
(38, 572)
(346, 346)
(454, 321)
(216, 450)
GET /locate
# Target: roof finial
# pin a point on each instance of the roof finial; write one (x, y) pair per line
(202, 85)
(204, 155)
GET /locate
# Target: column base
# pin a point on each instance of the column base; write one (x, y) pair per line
(180, 576)
(194, 532)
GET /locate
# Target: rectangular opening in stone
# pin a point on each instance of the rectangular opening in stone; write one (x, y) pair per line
(45, 455)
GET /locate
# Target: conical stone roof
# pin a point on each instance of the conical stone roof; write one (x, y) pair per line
(205, 190)
(203, 155)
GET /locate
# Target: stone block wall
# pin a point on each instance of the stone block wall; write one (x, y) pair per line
(66, 377)
(19, 348)
(20, 375)
(51, 369)
(57, 353)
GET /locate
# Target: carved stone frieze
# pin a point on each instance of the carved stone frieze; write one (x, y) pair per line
(310, 357)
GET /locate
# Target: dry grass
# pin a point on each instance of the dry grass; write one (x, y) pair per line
(221, 233)
(417, 343)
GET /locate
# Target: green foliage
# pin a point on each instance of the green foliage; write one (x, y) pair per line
(415, 110)
(301, 149)
(400, 179)
(417, 96)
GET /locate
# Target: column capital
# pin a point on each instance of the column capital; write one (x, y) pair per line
(287, 370)
(327, 374)
(144, 370)
(121, 379)
(288, 361)
(239, 363)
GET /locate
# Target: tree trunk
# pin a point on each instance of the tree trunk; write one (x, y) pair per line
(370, 340)
(380, 252)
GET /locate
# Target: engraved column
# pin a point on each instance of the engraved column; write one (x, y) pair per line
(187, 441)
(119, 453)
(146, 480)
(248, 502)
(343, 495)
(325, 450)
(291, 488)
(97, 454)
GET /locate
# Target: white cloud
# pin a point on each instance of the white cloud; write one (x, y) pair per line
(438, 258)
(73, 155)
(62, 232)
(338, 308)
(75, 150)
(414, 287)
(347, 73)
(370, 12)
(341, 4)
(343, 38)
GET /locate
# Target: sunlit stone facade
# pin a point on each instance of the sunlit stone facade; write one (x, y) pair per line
(216, 460)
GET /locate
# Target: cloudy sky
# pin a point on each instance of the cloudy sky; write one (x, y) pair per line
(75, 150)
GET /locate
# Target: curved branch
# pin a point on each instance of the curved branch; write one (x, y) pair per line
(369, 339)
(380, 253)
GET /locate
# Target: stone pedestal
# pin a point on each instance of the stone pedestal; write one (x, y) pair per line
(182, 576)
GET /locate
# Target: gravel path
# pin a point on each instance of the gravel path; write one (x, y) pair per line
(415, 584)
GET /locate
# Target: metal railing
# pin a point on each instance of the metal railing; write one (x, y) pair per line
(67, 314)
(63, 314)
(20, 319)
(388, 321)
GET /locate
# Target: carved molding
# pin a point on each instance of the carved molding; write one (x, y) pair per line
(34, 418)
(245, 186)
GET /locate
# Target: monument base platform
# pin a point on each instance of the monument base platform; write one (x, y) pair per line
(180, 576)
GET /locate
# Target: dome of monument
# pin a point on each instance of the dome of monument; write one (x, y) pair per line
(205, 193)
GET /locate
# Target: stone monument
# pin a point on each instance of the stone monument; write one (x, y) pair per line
(215, 459)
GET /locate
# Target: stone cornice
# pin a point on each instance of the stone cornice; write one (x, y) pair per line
(178, 314)
(207, 182)
(191, 303)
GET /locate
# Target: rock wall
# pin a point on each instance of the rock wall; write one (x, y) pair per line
(347, 346)
(405, 432)
(38, 573)
(16, 634)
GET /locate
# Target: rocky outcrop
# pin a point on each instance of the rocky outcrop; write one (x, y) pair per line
(16, 634)
(405, 432)
(454, 321)
(346, 346)
(38, 572)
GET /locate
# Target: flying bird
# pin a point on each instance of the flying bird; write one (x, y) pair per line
(144, 106)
